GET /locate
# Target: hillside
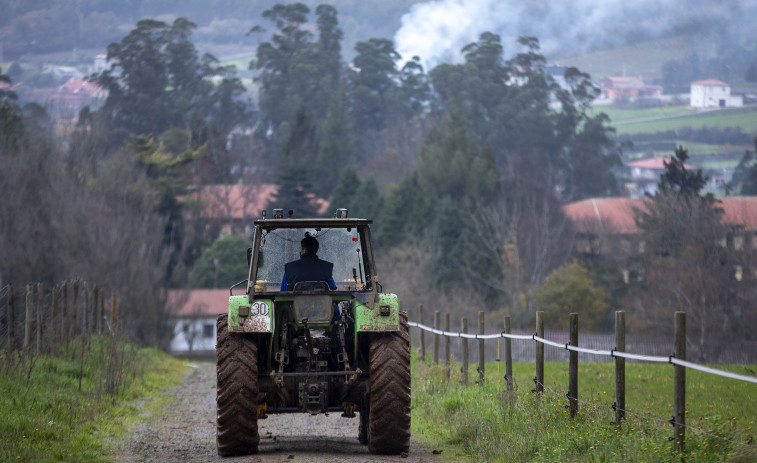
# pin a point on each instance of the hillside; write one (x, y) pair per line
(643, 58)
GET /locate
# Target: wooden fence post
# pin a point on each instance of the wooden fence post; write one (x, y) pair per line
(54, 332)
(620, 367)
(573, 366)
(64, 315)
(75, 310)
(85, 312)
(40, 308)
(28, 319)
(423, 338)
(11, 321)
(679, 396)
(114, 313)
(539, 352)
(464, 341)
(437, 325)
(101, 314)
(95, 300)
(508, 356)
(446, 347)
(481, 352)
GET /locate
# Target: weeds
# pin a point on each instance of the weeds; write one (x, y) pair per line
(68, 405)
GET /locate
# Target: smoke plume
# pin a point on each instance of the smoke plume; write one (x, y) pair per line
(437, 30)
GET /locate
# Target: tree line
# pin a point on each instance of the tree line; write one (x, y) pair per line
(464, 168)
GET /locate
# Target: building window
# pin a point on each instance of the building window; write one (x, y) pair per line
(738, 243)
(738, 272)
(208, 330)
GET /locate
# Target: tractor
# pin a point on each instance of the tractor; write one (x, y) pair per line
(309, 348)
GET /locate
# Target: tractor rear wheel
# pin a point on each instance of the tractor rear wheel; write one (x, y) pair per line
(236, 392)
(389, 413)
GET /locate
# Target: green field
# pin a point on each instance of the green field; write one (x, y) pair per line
(744, 118)
(484, 423)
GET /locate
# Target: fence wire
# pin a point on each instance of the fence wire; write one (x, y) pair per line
(607, 353)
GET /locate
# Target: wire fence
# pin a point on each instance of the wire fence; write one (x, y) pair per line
(566, 348)
(36, 319)
(596, 349)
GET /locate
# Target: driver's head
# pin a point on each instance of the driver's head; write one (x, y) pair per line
(309, 244)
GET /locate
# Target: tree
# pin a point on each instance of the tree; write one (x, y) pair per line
(295, 168)
(686, 266)
(222, 264)
(345, 191)
(745, 175)
(157, 81)
(336, 149)
(571, 289)
(513, 243)
(293, 69)
(373, 83)
(451, 164)
(507, 104)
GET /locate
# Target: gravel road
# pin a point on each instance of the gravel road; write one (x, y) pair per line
(185, 432)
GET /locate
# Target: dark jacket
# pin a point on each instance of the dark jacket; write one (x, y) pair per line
(308, 268)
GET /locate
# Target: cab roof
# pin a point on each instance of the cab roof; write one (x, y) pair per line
(312, 223)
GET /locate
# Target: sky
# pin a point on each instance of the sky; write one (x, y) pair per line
(437, 30)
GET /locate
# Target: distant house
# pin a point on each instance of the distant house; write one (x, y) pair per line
(231, 209)
(711, 93)
(76, 93)
(630, 88)
(193, 316)
(607, 227)
(645, 175)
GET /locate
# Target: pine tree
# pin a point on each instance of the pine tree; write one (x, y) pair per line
(295, 170)
(336, 149)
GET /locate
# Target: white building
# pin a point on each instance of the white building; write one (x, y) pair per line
(713, 93)
(193, 315)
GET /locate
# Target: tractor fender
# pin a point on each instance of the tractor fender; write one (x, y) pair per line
(247, 316)
(384, 317)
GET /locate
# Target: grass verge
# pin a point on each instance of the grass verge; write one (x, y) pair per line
(73, 404)
(485, 423)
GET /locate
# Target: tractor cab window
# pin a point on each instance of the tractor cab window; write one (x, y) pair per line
(340, 246)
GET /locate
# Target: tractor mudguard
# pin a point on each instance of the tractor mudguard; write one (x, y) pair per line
(250, 317)
(384, 317)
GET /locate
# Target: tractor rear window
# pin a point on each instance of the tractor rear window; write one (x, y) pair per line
(336, 245)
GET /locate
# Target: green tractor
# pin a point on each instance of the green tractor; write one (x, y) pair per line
(309, 348)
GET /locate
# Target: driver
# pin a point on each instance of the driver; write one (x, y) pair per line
(309, 267)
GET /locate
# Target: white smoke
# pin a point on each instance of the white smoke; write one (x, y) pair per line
(437, 30)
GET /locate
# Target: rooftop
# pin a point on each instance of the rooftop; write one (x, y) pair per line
(711, 83)
(615, 215)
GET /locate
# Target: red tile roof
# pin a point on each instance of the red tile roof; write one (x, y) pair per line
(77, 86)
(603, 215)
(655, 163)
(243, 201)
(740, 210)
(234, 201)
(615, 215)
(711, 83)
(197, 302)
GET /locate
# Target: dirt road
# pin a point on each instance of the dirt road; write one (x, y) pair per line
(185, 432)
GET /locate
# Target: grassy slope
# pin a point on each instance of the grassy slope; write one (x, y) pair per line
(45, 417)
(640, 59)
(630, 122)
(485, 424)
